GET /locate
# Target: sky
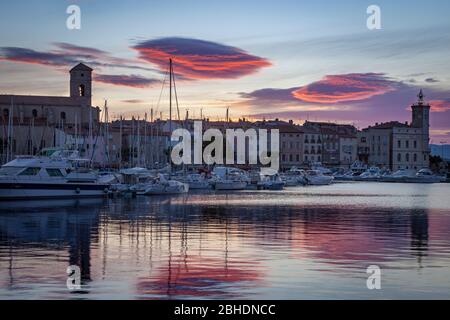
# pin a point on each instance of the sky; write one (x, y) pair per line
(300, 60)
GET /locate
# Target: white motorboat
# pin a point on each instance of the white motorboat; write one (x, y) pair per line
(427, 176)
(160, 186)
(47, 177)
(230, 179)
(372, 174)
(318, 167)
(401, 175)
(294, 177)
(316, 178)
(196, 181)
(271, 181)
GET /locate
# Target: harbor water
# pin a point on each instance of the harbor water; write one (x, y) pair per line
(311, 242)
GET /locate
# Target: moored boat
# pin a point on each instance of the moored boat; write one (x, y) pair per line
(316, 178)
(30, 177)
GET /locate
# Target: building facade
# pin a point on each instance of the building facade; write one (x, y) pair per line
(395, 145)
(29, 123)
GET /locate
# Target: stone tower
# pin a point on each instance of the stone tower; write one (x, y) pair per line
(421, 113)
(81, 84)
(421, 120)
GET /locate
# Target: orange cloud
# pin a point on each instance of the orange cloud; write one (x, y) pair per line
(345, 87)
(198, 59)
(440, 105)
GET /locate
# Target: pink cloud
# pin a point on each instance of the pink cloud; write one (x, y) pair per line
(440, 105)
(345, 87)
(199, 59)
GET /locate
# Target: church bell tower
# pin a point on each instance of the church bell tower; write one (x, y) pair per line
(81, 84)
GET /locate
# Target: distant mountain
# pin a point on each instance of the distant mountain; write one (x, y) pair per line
(441, 150)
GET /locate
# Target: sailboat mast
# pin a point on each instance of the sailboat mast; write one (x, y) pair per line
(170, 114)
(120, 143)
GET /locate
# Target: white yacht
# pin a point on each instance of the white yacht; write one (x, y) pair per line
(272, 181)
(47, 177)
(316, 178)
(294, 177)
(401, 175)
(229, 179)
(372, 174)
(197, 181)
(427, 176)
(160, 186)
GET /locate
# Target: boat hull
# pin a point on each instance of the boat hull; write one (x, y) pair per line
(230, 186)
(15, 191)
(320, 181)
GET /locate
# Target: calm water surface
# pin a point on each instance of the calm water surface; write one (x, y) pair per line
(300, 243)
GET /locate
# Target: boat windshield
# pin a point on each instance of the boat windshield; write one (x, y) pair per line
(10, 171)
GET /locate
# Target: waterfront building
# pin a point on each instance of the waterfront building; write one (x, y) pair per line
(74, 109)
(348, 146)
(338, 143)
(30, 123)
(312, 145)
(395, 145)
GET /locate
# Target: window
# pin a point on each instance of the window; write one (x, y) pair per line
(81, 90)
(291, 158)
(34, 113)
(30, 172)
(283, 157)
(407, 157)
(5, 113)
(415, 157)
(415, 144)
(54, 172)
(63, 116)
(298, 158)
(399, 143)
(9, 171)
(407, 144)
(399, 157)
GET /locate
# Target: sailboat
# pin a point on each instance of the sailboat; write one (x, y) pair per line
(159, 184)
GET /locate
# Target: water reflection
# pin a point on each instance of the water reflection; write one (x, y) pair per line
(221, 246)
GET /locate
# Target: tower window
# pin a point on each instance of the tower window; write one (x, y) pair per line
(81, 90)
(34, 113)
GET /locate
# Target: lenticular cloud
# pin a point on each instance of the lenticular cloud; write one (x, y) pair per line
(199, 59)
(345, 87)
